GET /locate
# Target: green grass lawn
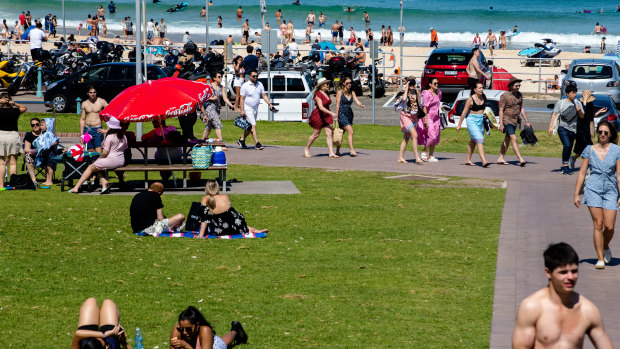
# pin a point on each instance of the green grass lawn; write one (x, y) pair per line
(389, 263)
(366, 136)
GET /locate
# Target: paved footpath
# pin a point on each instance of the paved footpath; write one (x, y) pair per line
(538, 211)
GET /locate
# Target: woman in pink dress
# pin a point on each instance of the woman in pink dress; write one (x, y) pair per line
(321, 117)
(430, 126)
(113, 156)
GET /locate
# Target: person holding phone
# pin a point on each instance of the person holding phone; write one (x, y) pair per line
(194, 331)
(407, 102)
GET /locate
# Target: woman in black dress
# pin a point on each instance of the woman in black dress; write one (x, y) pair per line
(10, 143)
(219, 216)
(585, 125)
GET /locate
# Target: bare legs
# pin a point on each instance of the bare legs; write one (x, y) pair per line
(414, 143)
(513, 140)
(237, 97)
(349, 130)
(12, 167)
(176, 221)
(86, 175)
(470, 152)
(604, 222)
(329, 132)
(253, 132)
(207, 131)
(253, 230)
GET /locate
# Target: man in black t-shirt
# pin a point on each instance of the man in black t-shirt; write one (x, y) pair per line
(250, 62)
(147, 215)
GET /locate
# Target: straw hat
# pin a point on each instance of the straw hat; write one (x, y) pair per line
(589, 98)
(321, 82)
(513, 80)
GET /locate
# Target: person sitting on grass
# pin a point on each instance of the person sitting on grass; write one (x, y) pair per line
(113, 156)
(147, 215)
(194, 331)
(219, 216)
(99, 328)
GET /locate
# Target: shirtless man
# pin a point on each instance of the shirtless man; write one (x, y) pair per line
(490, 41)
(311, 18)
(322, 19)
(278, 16)
(90, 122)
(245, 32)
(557, 316)
(239, 12)
(100, 11)
(335, 32)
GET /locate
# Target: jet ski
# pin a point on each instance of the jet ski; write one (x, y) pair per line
(178, 7)
(544, 49)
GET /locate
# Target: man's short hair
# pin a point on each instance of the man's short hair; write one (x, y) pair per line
(35, 119)
(156, 187)
(474, 50)
(293, 39)
(570, 88)
(39, 25)
(560, 254)
(250, 48)
(251, 71)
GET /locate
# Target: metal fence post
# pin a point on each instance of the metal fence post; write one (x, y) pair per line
(79, 105)
(539, 73)
(39, 82)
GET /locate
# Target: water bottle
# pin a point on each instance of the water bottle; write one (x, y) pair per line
(138, 340)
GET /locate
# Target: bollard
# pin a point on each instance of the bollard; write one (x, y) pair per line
(39, 82)
(79, 105)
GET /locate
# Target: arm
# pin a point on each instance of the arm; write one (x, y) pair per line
(597, 333)
(524, 334)
(266, 99)
(338, 97)
(22, 108)
(206, 337)
(553, 117)
(203, 228)
(241, 105)
(580, 178)
(319, 104)
(527, 122)
(502, 105)
(357, 101)
(175, 340)
(83, 334)
(618, 175)
(227, 101)
(579, 108)
(204, 112)
(27, 147)
(82, 120)
(465, 112)
(160, 214)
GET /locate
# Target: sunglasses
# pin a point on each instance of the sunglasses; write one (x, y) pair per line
(35, 125)
(347, 83)
(606, 133)
(185, 329)
(435, 83)
(253, 76)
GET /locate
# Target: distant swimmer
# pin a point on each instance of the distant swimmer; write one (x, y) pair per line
(239, 12)
(491, 8)
(296, 2)
(515, 29)
(350, 9)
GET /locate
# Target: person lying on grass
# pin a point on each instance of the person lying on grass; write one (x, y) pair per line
(193, 332)
(99, 328)
(219, 216)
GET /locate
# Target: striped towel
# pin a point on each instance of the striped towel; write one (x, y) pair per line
(193, 234)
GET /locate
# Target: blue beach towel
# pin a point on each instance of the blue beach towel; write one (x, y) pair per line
(193, 234)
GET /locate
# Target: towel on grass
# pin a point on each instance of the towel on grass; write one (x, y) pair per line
(192, 234)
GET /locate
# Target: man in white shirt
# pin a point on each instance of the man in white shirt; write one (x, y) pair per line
(150, 29)
(292, 48)
(36, 36)
(186, 38)
(251, 93)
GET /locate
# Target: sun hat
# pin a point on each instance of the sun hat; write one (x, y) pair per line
(114, 123)
(513, 80)
(321, 82)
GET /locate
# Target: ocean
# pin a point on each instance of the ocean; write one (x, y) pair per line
(456, 21)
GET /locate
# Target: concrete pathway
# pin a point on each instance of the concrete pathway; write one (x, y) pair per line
(538, 211)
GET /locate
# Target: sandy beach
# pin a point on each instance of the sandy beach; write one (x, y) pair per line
(413, 62)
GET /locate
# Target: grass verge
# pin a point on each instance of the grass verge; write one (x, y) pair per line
(390, 263)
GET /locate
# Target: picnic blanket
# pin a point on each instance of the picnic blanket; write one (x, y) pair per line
(193, 234)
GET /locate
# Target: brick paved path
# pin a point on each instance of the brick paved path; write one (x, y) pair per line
(538, 211)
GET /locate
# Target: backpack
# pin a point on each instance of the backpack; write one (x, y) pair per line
(22, 181)
(528, 136)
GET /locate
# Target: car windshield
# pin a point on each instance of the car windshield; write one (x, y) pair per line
(593, 71)
(155, 73)
(460, 105)
(449, 59)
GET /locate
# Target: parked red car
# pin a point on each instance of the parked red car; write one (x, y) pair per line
(448, 66)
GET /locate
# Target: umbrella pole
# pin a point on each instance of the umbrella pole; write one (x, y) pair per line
(174, 179)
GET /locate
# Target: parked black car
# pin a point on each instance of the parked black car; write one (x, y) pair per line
(109, 79)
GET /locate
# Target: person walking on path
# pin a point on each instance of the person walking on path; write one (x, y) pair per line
(585, 126)
(434, 39)
(408, 105)
(344, 98)
(474, 112)
(510, 108)
(251, 93)
(321, 118)
(213, 106)
(566, 110)
(429, 127)
(473, 69)
(601, 188)
(490, 41)
(477, 42)
(556, 315)
(10, 144)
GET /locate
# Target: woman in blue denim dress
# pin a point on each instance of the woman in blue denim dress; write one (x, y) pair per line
(601, 188)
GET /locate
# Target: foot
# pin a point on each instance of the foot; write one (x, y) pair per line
(486, 164)
(241, 143)
(502, 162)
(600, 265)
(470, 163)
(259, 146)
(240, 337)
(401, 161)
(105, 190)
(73, 191)
(353, 153)
(571, 163)
(522, 163)
(433, 159)
(419, 161)
(334, 156)
(307, 155)
(607, 256)
(565, 170)
(424, 156)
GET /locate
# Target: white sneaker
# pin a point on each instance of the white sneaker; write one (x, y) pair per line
(600, 265)
(424, 156)
(433, 159)
(607, 256)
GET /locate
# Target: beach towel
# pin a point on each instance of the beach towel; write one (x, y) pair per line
(193, 234)
(501, 77)
(45, 141)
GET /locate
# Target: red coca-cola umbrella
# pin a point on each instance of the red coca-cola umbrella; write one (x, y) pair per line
(157, 100)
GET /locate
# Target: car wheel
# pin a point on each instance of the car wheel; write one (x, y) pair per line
(61, 103)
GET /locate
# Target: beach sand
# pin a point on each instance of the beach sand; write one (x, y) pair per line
(413, 62)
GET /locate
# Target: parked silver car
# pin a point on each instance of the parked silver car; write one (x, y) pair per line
(597, 75)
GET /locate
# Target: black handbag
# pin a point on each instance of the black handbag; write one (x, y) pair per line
(193, 217)
(242, 123)
(528, 136)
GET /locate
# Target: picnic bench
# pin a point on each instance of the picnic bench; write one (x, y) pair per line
(185, 166)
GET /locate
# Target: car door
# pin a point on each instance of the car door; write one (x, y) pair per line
(115, 83)
(92, 76)
(278, 94)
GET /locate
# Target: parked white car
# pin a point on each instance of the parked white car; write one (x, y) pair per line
(454, 112)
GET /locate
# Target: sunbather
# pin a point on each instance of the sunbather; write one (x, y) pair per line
(193, 331)
(99, 328)
(219, 215)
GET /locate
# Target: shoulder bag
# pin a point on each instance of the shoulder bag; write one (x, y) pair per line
(337, 136)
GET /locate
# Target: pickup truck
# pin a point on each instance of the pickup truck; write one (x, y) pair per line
(291, 94)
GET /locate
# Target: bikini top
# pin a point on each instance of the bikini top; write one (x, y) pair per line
(476, 107)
